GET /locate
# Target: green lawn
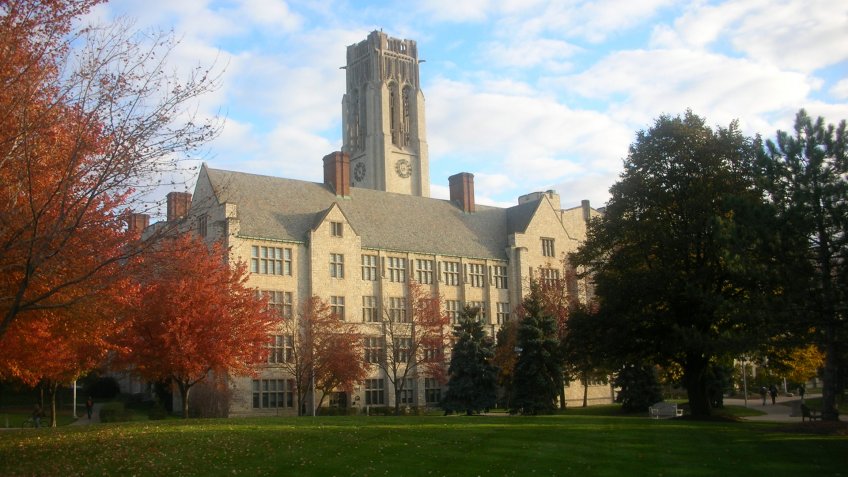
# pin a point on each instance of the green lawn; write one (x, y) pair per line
(567, 444)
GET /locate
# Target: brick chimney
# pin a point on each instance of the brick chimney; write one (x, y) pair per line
(178, 205)
(462, 190)
(337, 173)
(136, 223)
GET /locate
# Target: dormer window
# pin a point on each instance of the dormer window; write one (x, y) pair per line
(336, 229)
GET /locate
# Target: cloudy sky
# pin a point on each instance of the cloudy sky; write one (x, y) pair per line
(525, 94)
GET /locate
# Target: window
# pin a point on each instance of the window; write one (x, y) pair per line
(403, 350)
(397, 269)
(502, 313)
(548, 247)
(452, 310)
(373, 349)
(280, 349)
(550, 277)
(481, 307)
(202, 227)
(336, 229)
(273, 393)
(369, 309)
(337, 307)
(432, 353)
(476, 274)
(280, 301)
(407, 394)
(397, 309)
(369, 267)
(374, 392)
(450, 273)
(432, 391)
(424, 271)
(336, 265)
(499, 273)
(270, 260)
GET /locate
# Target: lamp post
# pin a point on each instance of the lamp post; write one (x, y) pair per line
(74, 386)
(744, 382)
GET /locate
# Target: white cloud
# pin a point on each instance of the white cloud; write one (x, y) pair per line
(840, 89)
(525, 53)
(455, 11)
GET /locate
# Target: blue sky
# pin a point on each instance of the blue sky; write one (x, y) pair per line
(527, 95)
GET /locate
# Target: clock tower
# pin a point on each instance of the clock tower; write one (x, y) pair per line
(383, 117)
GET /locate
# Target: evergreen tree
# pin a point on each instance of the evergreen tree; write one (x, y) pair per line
(639, 388)
(538, 372)
(473, 378)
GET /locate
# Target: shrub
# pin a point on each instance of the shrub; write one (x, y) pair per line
(639, 388)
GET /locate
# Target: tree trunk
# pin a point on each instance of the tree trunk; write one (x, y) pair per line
(696, 386)
(829, 376)
(184, 389)
(585, 392)
(561, 396)
(53, 387)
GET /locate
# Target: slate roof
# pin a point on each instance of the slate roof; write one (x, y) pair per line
(287, 209)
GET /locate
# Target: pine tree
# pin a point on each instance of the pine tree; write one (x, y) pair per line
(473, 378)
(538, 372)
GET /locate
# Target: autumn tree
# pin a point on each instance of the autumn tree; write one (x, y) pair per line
(415, 339)
(684, 258)
(472, 386)
(326, 352)
(197, 319)
(804, 173)
(506, 357)
(558, 292)
(90, 117)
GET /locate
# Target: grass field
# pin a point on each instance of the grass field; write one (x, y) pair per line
(568, 444)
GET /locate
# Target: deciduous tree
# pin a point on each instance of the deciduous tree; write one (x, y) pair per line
(197, 318)
(415, 339)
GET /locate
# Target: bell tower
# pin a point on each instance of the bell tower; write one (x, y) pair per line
(383, 117)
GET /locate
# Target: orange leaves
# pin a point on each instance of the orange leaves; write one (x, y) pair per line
(195, 315)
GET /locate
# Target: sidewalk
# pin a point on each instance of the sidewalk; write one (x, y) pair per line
(83, 420)
(786, 409)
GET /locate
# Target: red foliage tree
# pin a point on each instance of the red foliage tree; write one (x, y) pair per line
(197, 318)
(326, 352)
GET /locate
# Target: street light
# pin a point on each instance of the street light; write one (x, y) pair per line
(744, 381)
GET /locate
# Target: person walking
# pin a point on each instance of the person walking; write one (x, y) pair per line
(773, 393)
(763, 394)
(89, 406)
(801, 392)
(37, 413)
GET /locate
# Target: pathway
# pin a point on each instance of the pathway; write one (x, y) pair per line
(786, 409)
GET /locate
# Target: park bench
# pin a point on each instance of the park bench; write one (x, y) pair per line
(807, 413)
(664, 410)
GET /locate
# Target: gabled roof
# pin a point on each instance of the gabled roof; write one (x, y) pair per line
(286, 209)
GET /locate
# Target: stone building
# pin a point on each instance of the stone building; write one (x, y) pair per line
(360, 236)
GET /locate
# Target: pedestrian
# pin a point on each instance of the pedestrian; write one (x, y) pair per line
(773, 393)
(89, 406)
(801, 392)
(763, 394)
(37, 413)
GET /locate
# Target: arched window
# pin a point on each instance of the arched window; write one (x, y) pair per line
(393, 114)
(407, 115)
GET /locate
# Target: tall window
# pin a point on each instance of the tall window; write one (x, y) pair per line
(397, 309)
(273, 393)
(336, 229)
(403, 350)
(270, 260)
(481, 309)
(337, 306)
(548, 247)
(499, 274)
(369, 309)
(452, 310)
(476, 274)
(336, 265)
(369, 267)
(397, 269)
(202, 225)
(550, 276)
(407, 394)
(424, 271)
(450, 273)
(432, 352)
(280, 301)
(280, 349)
(432, 391)
(375, 392)
(373, 346)
(502, 313)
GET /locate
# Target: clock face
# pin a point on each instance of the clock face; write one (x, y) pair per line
(359, 172)
(403, 168)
